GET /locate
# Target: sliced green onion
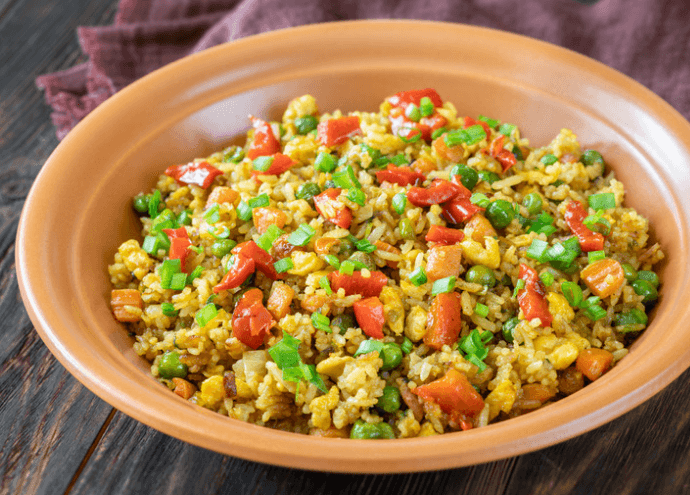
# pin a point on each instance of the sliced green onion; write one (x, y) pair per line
(266, 240)
(166, 219)
(212, 215)
(632, 320)
(594, 256)
(283, 265)
(347, 267)
(590, 301)
(364, 245)
(438, 132)
(302, 235)
(547, 278)
(413, 113)
(178, 281)
(548, 159)
(321, 322)
(154, 202)
(561, 255)
(306, 124)
(542, 222)
(572, 293)
(356, 196)
(259, 201)
(346, 178)
(469, 136)
(244, 211)
(649, 276)
(595, 312)
(196, 273)
(332, 260)
(602, 201)
(325, 162)
(537, 249)
(443, 285)
(285, 353)
(426, 106)
(518, 287)
(410, 137)
(233, 154)
(597, 223)
(185, 217)
(418, 277)
(492, 122)
(206, 314)
(169, 309)
(399, 159)
(224, 233)
(399, 203)
(481, 310)
(507, 129)
(262, 163)
(406, 346)
(369, 345)
(166, 271)
(480, 200)
(151, 245)
(325, 285)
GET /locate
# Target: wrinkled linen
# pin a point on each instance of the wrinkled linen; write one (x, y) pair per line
(649, 40)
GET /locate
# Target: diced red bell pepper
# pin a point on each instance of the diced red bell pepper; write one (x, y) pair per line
(459, 210)
(401, 176)
(357, 284)
(589, 240)
(454, 393)
(179, 246)
(469, 122)
(199, 174)
(281, 163)
(333, 132)
(532, 299)
(444, 320)
(406, 128)
(370, 317)
(439, 191)
(251, 321)
(262, 259)
(503, 156)
(404, 98)
(242, 268)
(265, 142)
(332, 209)
(444, 235)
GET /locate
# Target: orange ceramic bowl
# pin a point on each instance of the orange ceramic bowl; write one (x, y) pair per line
(79, 210)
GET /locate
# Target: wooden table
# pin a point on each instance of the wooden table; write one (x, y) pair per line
(57, 437)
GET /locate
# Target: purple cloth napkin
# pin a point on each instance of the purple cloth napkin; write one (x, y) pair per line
(649, 40)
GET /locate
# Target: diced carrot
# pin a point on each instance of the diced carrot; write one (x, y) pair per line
(325, 245)
(594, 362)
(423, 165)
(454, 393)
(314, 303)
(265, 217)
(222, 194)
(282, 248)
(183, 388)
(279, 301)
(384, 246)
(332, 432)
(124, 302)
(481, 227)
(453, 154)
(570, 380)
(444, 261)
(536, 391)
(603, 277)
(444, 320)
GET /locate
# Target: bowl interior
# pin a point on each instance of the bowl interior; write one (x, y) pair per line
(79, 210)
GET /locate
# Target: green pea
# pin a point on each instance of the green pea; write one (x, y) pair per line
(590, 157)
(649, 276)
(392, 355)
(406, 229)
(533, 203)
(222, 247)
(629, 272)
(306, 124)
(500, 213)
(488, 176)
(141, 203)
(343, 322)
(509, 328)
(371, 431)
(468, 176)
(308, 190)
(480, 274)
(346, 247)
(645, 289)
(390, 400)
(363, 258)
(169, 366)
(185, 218)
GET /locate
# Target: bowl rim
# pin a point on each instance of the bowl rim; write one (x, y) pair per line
(288, 449)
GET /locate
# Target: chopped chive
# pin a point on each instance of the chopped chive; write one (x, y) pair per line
(302, 235)
(259, 201)
(321, 322)
(266, 240)
(347, 267)
(244, 211)
(518, 287)
(443, 285)
(438, 132)
(548, 159)
(332, 260)
(492, 122)
(418, 277)
(356, 196)
(325, 162)
(547, 278)
(262, 163)
(426, 107)
(206, 314)
(507, 129)
(594, 256)
(283, 265)
(572, 293)
(212, 215)
(481, 310)
(602, 201)
(169, 309)
(479, 199)
(325, 285)
(399, 203)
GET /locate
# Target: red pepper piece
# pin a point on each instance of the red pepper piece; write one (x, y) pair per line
(503, 156)
(459, 210)
(280, 164)
(404, 98)
(264, 142)
(454, 393)
(179, 246)
(439, 191)
(242, 268)
(469, 122)
(370, 317)
(444, 235)
(332, 209)
(251, 321)
(357, 284)
(444, 323)
(532, 299)
(401, 176)
(200, 174)
(589, 241)
(262, 259)
(404, 127)
(333, 132)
